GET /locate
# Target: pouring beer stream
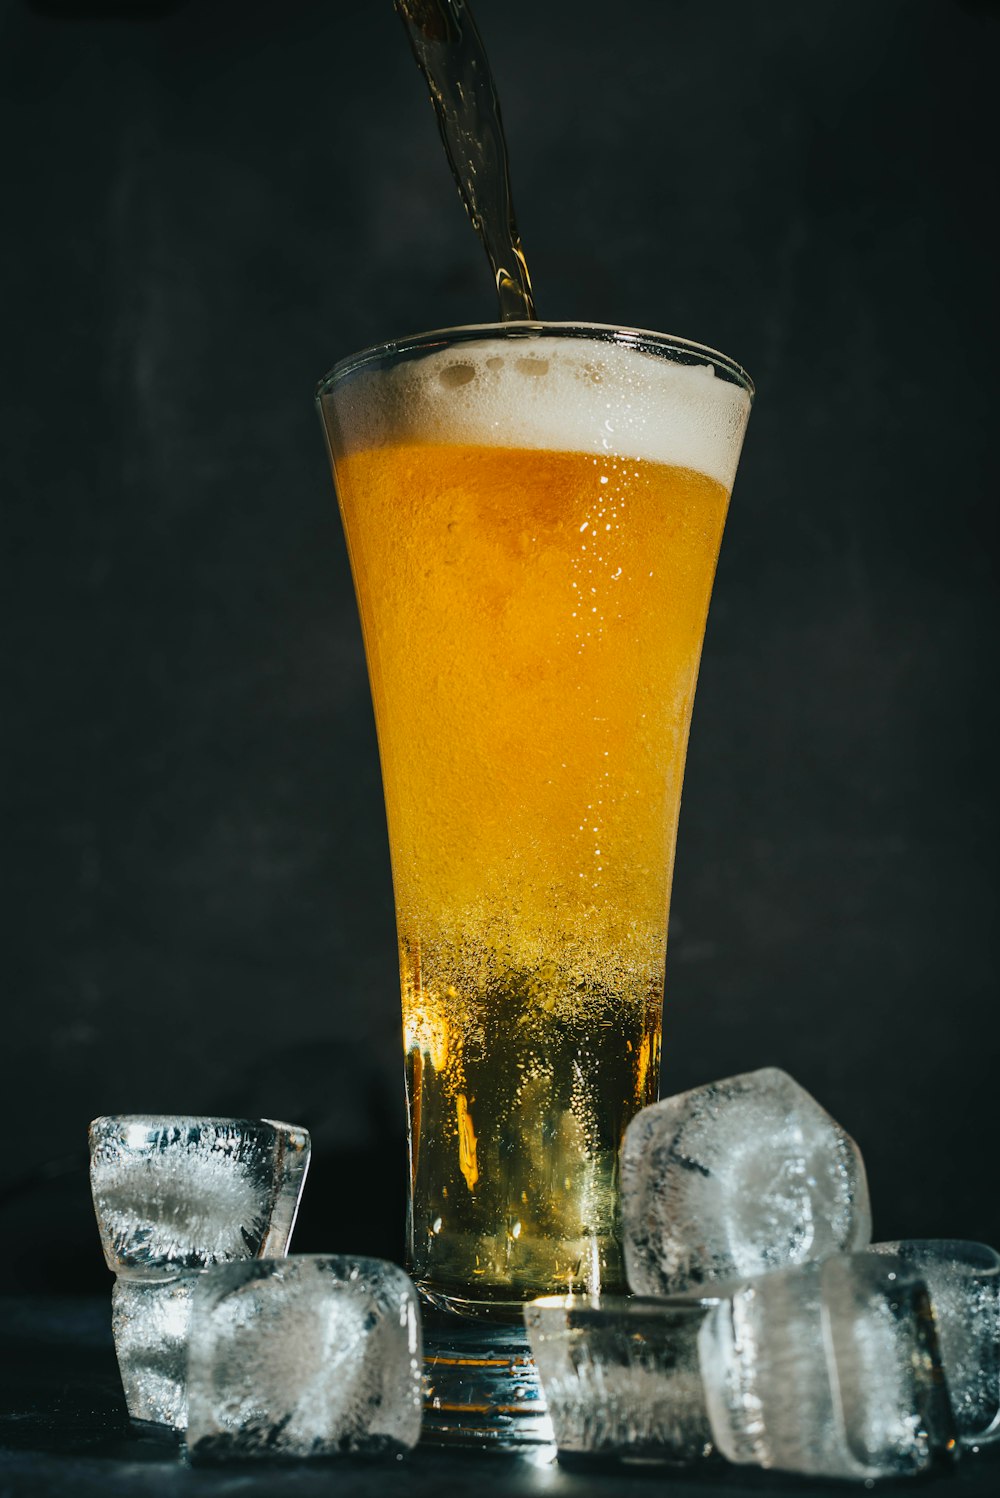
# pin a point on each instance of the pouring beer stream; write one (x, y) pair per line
(450, 54)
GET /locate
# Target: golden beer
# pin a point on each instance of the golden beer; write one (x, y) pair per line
(533, 537)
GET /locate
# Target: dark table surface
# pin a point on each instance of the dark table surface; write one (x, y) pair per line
(64, 1430)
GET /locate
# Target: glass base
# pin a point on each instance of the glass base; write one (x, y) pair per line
(481, 1387)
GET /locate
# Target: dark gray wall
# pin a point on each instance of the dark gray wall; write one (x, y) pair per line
(204, 209)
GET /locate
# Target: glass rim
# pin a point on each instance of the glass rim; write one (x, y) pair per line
(644, 340)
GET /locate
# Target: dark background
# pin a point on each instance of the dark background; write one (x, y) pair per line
(206, 205)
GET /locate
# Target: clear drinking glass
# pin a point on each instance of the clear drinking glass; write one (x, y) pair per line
(533, 513)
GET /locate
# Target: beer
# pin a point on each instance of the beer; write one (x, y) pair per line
(533, 523)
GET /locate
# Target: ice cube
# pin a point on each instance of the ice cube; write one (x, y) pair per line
(621, 1377)
(150, 1320)
(736, 1178)
(963, 1280)
(303, 1356)
(831, 1369)
(176, 1193)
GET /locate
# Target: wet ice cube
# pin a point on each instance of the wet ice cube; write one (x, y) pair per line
(735, 1178)
(150, 1321)
(620, 1376)
(963, 1280)
(830, 1369)
(303, 1356)
(174, 1193)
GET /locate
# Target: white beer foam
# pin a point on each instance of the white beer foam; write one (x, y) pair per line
(569, 395)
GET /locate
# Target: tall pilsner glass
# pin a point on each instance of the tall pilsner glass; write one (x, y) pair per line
(533, 514)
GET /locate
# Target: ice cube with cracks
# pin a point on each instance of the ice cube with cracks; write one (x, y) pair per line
(738, 1177)
(304, 1356)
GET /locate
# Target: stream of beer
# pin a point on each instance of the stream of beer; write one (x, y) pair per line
(450, 54)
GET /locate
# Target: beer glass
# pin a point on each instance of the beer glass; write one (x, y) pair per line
(533, 513)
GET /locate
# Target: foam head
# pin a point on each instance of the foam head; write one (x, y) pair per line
(571, 394)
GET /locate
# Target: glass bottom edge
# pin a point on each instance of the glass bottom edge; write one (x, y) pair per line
(481, 1386)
